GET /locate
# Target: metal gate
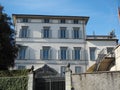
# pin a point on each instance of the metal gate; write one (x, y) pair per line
(54, 83)
(47, 78)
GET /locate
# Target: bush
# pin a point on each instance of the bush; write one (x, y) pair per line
(14, 80)
(14, 73)
(13, 83)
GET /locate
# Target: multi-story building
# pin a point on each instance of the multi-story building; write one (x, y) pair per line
(57, 41)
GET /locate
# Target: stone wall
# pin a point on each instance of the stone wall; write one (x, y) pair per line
(96, 81)
(117, 57)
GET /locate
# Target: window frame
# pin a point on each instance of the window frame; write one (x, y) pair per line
(46, 32)
(46, 20)
(77, 53)
(93, 53)
(63, 68)
(62, 21)
(78, 71)
(77, 33)
(46, 53)
(76, 21)
(110, 49)
(63, 33)
(25, 20)
(24, 32)
(22, 52)
(63, 53)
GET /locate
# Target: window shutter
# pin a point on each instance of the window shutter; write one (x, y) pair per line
(26, 53)
(73, 54)
(21, 20)
(29, 20)
(50, 33)
(58, 33)
(82, 55)
(20, 33)
(59, 54)
(67, 34)
(41, 54)
(50, 54)
(68, 54)
(80, 34)
(28, 33)
(42, 32)
(72, 32)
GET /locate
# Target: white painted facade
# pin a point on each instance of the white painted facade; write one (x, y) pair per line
(35, 43)
(116, 67)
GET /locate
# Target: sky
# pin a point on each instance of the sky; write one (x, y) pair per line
(103, 14)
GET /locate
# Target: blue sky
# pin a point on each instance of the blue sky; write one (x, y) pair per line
(103, 13)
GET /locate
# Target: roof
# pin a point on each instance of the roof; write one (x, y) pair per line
(51, 16)
(101, 38)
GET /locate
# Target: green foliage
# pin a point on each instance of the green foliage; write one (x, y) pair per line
(14, 80)
(12, 73)
(14, 83)
(8, 49)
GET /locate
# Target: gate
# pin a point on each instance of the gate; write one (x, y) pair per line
(47, 78)
(53, 83)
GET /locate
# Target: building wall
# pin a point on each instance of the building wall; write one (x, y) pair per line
(35, 42)
(99, 45)
(117, 58)
(96, 81)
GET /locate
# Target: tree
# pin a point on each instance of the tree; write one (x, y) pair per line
(8, 48)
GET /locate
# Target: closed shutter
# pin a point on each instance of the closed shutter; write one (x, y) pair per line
(67, 33)
(20, 33)
(42, 32)
(80, 34)
(28, 33)
(82, 55)
(41, 54)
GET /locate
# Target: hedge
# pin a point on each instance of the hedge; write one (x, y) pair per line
(13, 83)
(12, 73)
(14, 80)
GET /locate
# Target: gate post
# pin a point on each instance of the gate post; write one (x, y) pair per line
(68, 79)
(30, 81)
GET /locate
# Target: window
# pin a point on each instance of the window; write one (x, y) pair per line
(46, 21)
(75, 21)
(92, 53)
(109, 49)
(21, 67)
(22, 52)
(63, 71)
(62, 21)
(78, 70)
(24, 32)
(46, 32)
(77, 33)
(63, 32)
(25, 20)
(77, 52)
(63, 53)
(46, 53)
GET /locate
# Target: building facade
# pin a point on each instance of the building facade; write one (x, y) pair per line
(57, 41)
